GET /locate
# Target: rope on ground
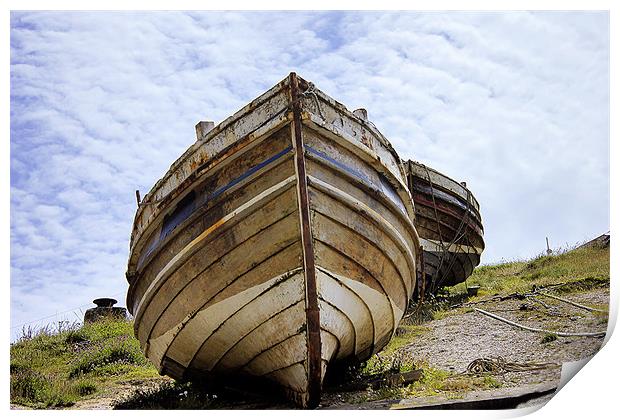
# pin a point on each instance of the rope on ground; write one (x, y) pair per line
(499, 365)
(587, 308)
(558, 333)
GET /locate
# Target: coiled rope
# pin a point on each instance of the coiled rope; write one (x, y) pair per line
(499, 365)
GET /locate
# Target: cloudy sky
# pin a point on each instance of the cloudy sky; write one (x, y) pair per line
(514, 103)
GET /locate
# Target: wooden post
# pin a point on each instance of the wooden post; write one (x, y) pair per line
(548, 249)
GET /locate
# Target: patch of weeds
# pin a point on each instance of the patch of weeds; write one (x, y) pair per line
(27, 385)
(122, 351)
(431, 383)
(586, 283)
(36, 390)
(440, 382)
(548, 338)
(491, 382)
(84, 387)
(406, 334)
(580, 269)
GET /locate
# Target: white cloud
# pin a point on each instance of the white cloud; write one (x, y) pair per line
(516, 104)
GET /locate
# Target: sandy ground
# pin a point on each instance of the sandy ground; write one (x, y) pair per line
(456, 340)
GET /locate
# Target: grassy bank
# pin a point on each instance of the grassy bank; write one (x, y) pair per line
(58, 368)
(581, 266)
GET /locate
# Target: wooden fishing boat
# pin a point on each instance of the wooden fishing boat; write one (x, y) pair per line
(278, 244)
(447, 218)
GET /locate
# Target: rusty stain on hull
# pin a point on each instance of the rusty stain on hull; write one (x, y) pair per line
(312, 307)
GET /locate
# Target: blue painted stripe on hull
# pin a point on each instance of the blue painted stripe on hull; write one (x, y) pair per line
(184, 211)
(251, 171)
(385, 186)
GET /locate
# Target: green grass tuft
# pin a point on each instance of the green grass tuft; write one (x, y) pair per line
(58, 367)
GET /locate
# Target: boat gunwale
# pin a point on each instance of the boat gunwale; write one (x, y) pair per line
(421, 166)
(223, 125)
(342, 109)
(318, 125)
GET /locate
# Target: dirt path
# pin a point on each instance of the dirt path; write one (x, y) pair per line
(119, 392)
(460, 337)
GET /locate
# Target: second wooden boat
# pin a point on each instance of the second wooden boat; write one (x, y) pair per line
(278, 244)
(447, 218)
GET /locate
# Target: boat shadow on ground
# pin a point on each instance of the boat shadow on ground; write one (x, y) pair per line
(197, 395)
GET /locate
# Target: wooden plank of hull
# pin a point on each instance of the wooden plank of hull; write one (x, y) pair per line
(370, 312)
(441, 266)
(233, 228)
(450, 274)
(360, 187)
(249, 317)
(261, 274)
(182, 342)
(449, 217)
(441, 181)
(393, 247)
(427, 192)
(436, 246)
(242, 131)
(449, 223)
(365, 253)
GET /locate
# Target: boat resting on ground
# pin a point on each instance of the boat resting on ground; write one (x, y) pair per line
(277, 244)
(447, 218)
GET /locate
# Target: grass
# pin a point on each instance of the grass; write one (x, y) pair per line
(440, 382)
(580, 269)
(56, 367)
(62, 364)
(434, 382)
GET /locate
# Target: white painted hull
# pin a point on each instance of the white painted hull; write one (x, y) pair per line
(278, 244)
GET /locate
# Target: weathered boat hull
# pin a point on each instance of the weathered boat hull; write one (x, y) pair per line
(447, 218)
(280, 242)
